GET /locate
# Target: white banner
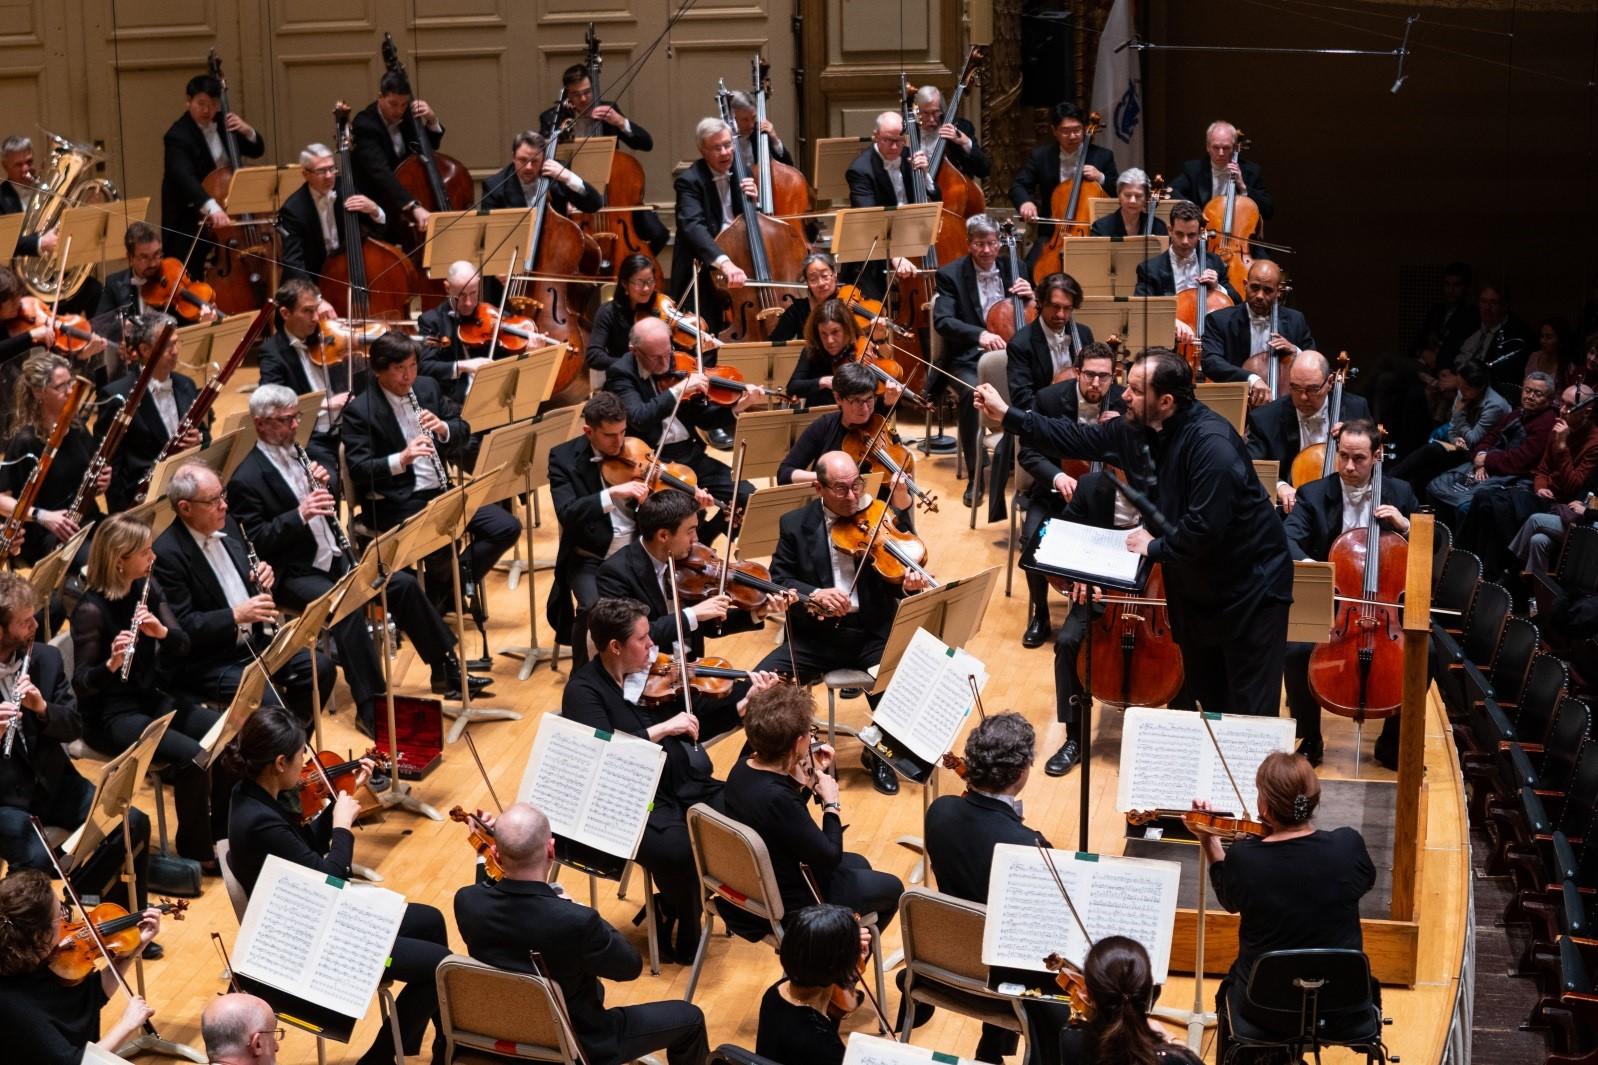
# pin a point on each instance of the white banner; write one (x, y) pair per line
(1118, 89)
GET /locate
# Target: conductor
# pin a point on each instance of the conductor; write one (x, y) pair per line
(1228, 573)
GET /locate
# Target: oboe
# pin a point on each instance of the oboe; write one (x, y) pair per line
(438, 463)
(127, 659)
(268, 628)
(15, 724)
(339, 538)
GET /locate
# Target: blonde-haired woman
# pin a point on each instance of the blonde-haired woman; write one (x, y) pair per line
(40, 394)
(116, 617)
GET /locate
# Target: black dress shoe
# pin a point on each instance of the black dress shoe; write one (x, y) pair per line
(1064, 760)
(447, 682)
(1387, 755)
(883, 778)
(720, 438)
(1313, 749)
(1037, 632)
(971, 497)
(365, 727)
(153, 951)
(479, 665)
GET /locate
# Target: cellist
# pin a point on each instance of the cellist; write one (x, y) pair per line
(380, 146)
(1183, 265)
(1232, 334)
(1325, 509)
(1053, 163)
(1283, 427)
(193, 147)
(1200, 180)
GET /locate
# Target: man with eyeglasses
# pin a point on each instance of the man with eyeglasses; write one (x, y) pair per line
(854, 387)
(311, 220)
(1232, 335)
(1054, 163)
(1283, 427)
(286, 359)
(963, 150)
(240, 1029)
(165, 403)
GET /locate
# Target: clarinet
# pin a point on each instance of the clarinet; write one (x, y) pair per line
(144, 597)
(339, 538)
(268, 628)
(15, 724)
(438, 463)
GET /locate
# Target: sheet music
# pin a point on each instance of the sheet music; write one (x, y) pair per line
(929, 696)
(1086, 549)
(1028, 919)
(863, 1049)
(315, 937)
(596, 788)
(1167, 759)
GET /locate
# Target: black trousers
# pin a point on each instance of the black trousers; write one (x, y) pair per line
(865, 890)
(100, 873)
(812, 649)
(582, 577)
(679, 1027)
(1419, 467)
(218, 682)
(715, 477)
(1305, 709)
(963, 364)
(1244, 674)
(664, 850)
(1491, 523)
(652, 229)
(492, 532)
(119, 728)
(422, 943)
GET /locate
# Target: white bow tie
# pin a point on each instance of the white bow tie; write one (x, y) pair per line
(1357, 496)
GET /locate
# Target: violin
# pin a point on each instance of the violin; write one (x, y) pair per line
(954, 764)
(338, 772)
(711, 678)
(510, 332)
(868, 313)
(638, 462)
(1203, 822)
(336, 339)
(1135, 661)
(1318, 460)
(73, 332)
(748, 584)
(1072, 204)
(1069, 979)
(189, 300)
(75, 956)
(1232, 220)
(687, 330)
(882, 367)
(727, 384)
(1012, 312)
(893, 552)
(481, 839)
(874, 444)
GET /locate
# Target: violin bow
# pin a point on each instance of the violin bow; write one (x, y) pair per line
(60, 281)
(171, 297)
(732, 530)
(88, 921)
(1216, 743)
(971, 679)
(815, 893)
(681, 650)
(1048, 861)
(541, 967)
(699, 339)
(489, 784)
(504, 298)
(227, 963)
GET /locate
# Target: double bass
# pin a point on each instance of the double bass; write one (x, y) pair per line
(241, 268)
(367, 278)
(1072, 205)
(436, 181)
(783, 188)
(1232, 218)
(614, 229)
(959, 193)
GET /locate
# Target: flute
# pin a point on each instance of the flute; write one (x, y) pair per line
(15, 724)
(339, 538)
(127, 659)
(438, 463)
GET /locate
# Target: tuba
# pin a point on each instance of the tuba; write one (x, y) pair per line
(67, 182)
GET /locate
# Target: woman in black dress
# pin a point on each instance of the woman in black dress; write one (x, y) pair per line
(1120, 994)
(1297, 887)
(769, 791)
(819, 272)
(267, 755)
(41, 393)
(47, 1021)
(822, 946)
(108, 624)
(831, 334)
(635, 290)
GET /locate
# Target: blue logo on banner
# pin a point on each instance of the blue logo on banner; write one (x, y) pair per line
(1127, 113)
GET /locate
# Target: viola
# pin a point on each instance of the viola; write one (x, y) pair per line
(73, 332)
(1203, 822)
(1233, 219)
(339, 772)
(1072, 204)
(510, 332)
(874, 445)
(638, 462)
(1069, 979)
(727, 384)
(189, 300)
(75, 957)
(1135, 661)
(892, 551)
(481, 839)
(1318, 460)
(883, 368)
(954, 764)
(1012, 312)
(689, 332)
(748, 584)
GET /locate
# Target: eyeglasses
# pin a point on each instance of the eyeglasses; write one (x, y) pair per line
(277, 1034)
(220, 497)
(853, 487)
(1094, 375)
(321, 171)
(987, 245)
(929, 114)
(285, 419)
(820, 275)
(1306, 390)
(859, 401)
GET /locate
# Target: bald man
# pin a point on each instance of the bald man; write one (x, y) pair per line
(502, 921)
(1283, 427)
(240, 1029)
(1233, 334)
(453, 364)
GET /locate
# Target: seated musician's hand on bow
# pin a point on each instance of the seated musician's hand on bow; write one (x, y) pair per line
(681, 723)
(1259, 393)
(637, 492)
(891, 391)
(903, 267)
(713, 609)
(834, 601)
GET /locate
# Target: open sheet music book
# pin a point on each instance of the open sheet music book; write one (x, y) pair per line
(863, 1049)
(596, 788)
(1167, 759)
(316, 937)
(1028, 919)
(1085, 553)
(929, 696)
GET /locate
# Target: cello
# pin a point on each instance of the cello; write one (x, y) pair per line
(1232, 219)
(1071, 206)
(1318, 460)
(1193, 310)
(1135, 660)
(240, 269)
(1273, 366)
(960, 194)
(1011, 313)
(436, 181)
(763, 247)
(624, 188)
(369, 278)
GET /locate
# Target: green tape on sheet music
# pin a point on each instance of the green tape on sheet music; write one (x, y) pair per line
(949, 651)
(600, 733)
(945, 1059)
(1085, 856)
(1212, 715)
(335, 882)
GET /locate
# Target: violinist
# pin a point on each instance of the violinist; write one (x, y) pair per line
(967, 287)
(823, 948)
(117, 617)
(48, 1021)
(1183, 265)
(311, 220)
(380, 133)
(961, 832)
(120, 295)
(1120, 994)
(453, 364)
(1201, 180)
(1296, 888)
(41, 396)
(503, 921)
(169, 397)
(664, 409)
(744, 115)
(11, 293)
(963, 150)
(1130, 218)
(38, 779)
(286, 359)
(819, 272)
(1222, 552)
(193, 147)
(289, 515)
(858, 609)
(1325, 508)
(29, 326)
(1232, 334)
(1048, 349)
(707, 203)
(832, 337)
(604, 693)
(21, 180)
(268, 755)
(1283, 427)
(517, 184)
(854, 390)
(1052, 163)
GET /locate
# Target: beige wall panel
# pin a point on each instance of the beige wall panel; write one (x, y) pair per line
(307, 87)
(323, 16)
(169, 20)
(468, 89)
(24, 92)
(850, 119)
(856, 32)
(459, 14)
(22, 23)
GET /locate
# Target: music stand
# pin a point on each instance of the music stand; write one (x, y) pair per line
(50, 572)
(10, 232)
(589, 158)
(908, 231)
(155, 513)
(1229, 399)
(1102, 314)
(309, 406)
(763, 511)
(473, 236)
(200, 340)
(261, 189)
(97, 229)
(1314, 605)
(768, 435)
(1127, 254)
(1088, 260)
(832, 158)
(214, 455)
(510, 389)
(1150, 321)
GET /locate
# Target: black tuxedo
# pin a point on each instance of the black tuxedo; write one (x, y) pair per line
(699, 219)
(974, 163)
(1113, 225)
(11, 203)
(1193, 183)
(187, 160)
(1058, 401)
(958, 318)
(870, 186)
(502, 921)
(585, 536)
(305, 250)
(119, 295)
(146, 436)
(1039, 176)
(505, 190)
(630, 574)
(443, 323)
(1273, 429)
(1030, 366)
(1227, 344)
(375, 161)
(634, 136)
(1317, 517)
(281, 365)
(372, 433)
(1156, 277)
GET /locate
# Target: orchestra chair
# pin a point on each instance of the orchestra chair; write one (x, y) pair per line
(1497, 729)
(235, 890)
(1442, 544)
(1561, 907)
(1484, 625)
(1492, 697)
(1526, 830)
(735, 868)
(850, 683)
(621, 893)
(943, 962)
(947, 403)
(1303, 1000)
(992, 369)
(490, 1015)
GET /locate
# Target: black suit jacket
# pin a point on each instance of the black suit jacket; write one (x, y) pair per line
(649, 407)
(699, 219)
(504, 190)
(304, 249)
(261, 501)
(118, 295)
(1273, 429)
(259, 825)
(630, 573)
(39, 765)
(957, 308)
(196, 596)
(1030, 367)
(1317, 517)
(779, 152)
(802, 560)
(575, 484)
(962, 831)
(375, 160)
(1155, 277)
(973, 163)
(1193, 183)
(502, 921)
(1038, 177)
(280, 365)
(636, 137)
(145, 436)
(1058, 401)
(870, 186)
(11, 203)
(1227, 344)
(1113, 225)
(187, 161)
(371, 434)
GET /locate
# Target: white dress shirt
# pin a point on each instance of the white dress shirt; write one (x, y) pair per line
(622, 524)
(675, 429)
(1356, 505)
(844, 566)
(663, 578)
(724, 191)
(990, 287)
(226, 573)
(288, 467)
(1186, 272)
(1259, 331)
(895, 176)
(1068, 165)
(1219, 179)
(426, 470)
(166, 404)
(323, 202)
(1312, 428)
(320, 380)
(1061, 347)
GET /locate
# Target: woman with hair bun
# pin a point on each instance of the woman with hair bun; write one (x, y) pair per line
(1120, 994)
